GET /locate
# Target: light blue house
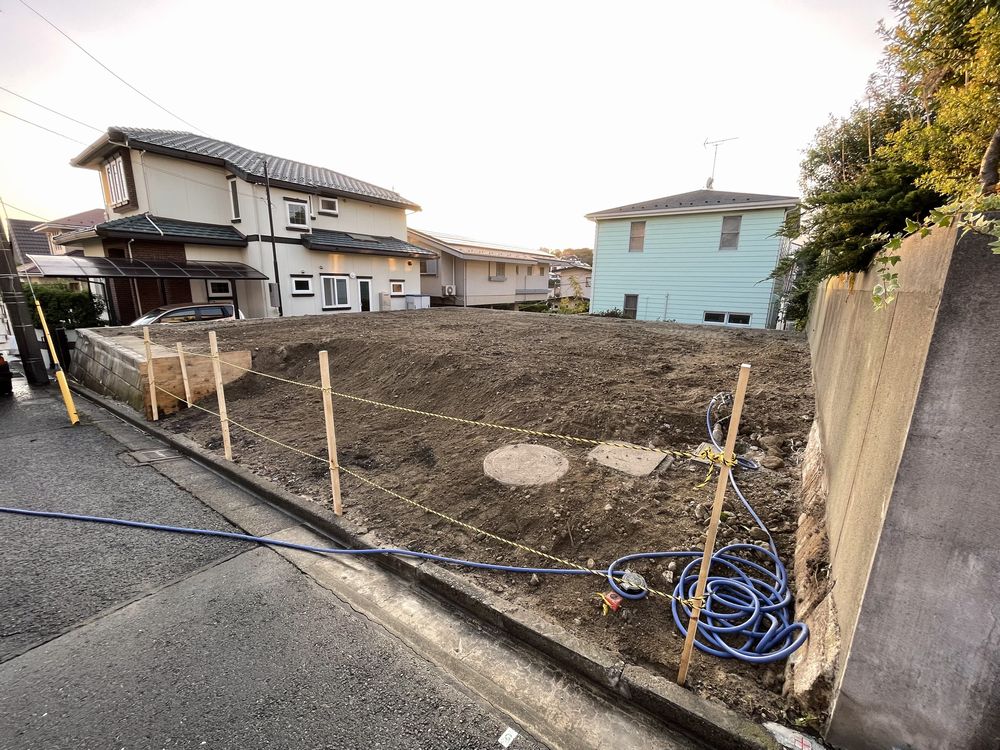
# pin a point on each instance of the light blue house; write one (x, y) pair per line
(698, 257)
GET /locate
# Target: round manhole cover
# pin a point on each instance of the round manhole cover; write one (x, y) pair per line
(525, 464)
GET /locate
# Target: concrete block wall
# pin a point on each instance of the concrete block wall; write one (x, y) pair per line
(116, 366)
(907, 406)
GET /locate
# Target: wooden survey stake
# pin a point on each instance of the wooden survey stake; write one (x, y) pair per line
(331, 434)
(713, 524)
(149, 372)
(184, 374)
(227, 446)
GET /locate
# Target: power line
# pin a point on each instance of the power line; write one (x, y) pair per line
(6, 205)
(49, 109)
(42, 127)
(109, 70)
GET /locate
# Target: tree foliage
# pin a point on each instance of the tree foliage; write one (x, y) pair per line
(66, 308)
(910, 152)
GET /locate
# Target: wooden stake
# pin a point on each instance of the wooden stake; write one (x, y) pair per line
(227, 446)
(713, 524)
(331, 434)
(184, 374)
(149, 372)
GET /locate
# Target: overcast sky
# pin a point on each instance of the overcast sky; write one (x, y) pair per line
(504, 121)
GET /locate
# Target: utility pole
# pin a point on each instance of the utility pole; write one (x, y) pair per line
(274, 247)
(20, 318)
(711, 180)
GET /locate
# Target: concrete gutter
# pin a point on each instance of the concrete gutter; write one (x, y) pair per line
(717, 727)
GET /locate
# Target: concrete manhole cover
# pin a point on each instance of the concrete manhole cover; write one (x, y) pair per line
(525, 464)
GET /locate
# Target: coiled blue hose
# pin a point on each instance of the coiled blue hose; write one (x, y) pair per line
(739, 603)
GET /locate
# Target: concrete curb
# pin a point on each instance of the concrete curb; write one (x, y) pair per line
(714, 725)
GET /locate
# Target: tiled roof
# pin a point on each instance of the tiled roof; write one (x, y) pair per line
(561, 264)
(171, 230)
(366, 244)
(475, 249)
(697, 200)
(249, 163)
(26, 241)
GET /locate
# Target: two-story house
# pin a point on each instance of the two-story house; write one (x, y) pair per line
(195, 219)
(472, 273)
(698, 257)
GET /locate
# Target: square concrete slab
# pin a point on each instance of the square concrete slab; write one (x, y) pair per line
(633, 461)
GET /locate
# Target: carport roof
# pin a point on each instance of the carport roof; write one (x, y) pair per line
(81, 266)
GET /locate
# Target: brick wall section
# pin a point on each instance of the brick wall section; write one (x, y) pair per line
(151, 292)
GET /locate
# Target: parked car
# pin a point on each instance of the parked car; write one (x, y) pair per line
(188, 313)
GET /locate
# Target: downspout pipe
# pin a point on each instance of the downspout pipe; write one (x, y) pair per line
(274, 247)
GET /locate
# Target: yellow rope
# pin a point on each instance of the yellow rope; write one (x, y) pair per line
(706, 454)
(415, 503)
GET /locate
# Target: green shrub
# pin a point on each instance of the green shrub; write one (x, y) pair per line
(66, 308)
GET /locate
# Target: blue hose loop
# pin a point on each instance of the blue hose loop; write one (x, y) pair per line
(745, 600)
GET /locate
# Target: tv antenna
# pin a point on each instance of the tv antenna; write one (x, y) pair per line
(715, 155)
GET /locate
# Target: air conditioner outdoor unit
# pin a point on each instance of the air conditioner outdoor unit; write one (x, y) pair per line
(448, 290)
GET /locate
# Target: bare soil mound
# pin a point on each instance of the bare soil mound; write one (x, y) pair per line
(646, 383)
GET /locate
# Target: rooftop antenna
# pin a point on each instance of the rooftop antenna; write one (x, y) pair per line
(711, 180)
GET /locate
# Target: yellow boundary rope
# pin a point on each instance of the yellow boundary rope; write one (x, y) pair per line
(415, 503)
(705, 454)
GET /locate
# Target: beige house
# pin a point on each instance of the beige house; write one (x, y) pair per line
(471, 273)
(574, 278)
(195, 219)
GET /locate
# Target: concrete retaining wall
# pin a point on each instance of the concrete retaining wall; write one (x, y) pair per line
(115, 366)
(908, 401)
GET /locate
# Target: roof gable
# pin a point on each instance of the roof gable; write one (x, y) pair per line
(27, 241)
(698, 201)
(245, 162)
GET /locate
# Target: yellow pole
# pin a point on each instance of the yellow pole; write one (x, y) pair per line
(74, 418)
(713, 524)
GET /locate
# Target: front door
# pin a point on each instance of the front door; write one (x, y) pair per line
(365, 294)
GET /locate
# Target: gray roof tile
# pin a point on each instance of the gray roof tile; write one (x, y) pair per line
(353, 242)
(150, 227)
(696, 199)
(245, 161)
(26, 241)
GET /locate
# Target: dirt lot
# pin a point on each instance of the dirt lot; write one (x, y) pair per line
(647, 383)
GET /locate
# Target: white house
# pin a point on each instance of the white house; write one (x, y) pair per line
(191, 222)
(574, 278)
(472, 273)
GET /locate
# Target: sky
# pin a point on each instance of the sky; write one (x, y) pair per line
(505, 121)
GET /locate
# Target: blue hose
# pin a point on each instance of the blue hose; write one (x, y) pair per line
(747, 601)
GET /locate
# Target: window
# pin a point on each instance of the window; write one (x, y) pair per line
(637, 237)
(728, 318)
(730, 239)
(631, 306)
(117, 185)
(235, 197)
(531, 270)
(396, 288)
(183, 315)
(543, 270)
(329, 206)
(213, 313)
(297, 214)
(220, 289)
(335, 292)
(302, 286)
(429, 267)
(499, 272)
(586, 281)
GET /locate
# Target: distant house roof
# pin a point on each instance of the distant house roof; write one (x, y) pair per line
(27, 241)
(470, 249)
(82, 220)
(160, 229)
(697, 201)
(243, 162)
(561, 264)
(362, 244)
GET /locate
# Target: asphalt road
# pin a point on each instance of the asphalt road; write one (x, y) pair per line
(117, 638)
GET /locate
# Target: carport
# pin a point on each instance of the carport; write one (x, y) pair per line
(91, 268)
